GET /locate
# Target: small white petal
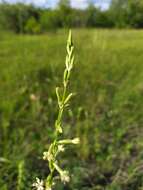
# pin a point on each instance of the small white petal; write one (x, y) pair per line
(61, 148)
(65, 176)
(39, 184)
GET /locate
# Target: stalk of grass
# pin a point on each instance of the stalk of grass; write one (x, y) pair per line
(20, 175)
(58, 145)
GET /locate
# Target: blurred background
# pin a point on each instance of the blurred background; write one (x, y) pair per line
(107, 111)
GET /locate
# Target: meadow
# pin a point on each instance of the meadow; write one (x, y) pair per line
(106, 111)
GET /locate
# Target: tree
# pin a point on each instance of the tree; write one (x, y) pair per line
(50, 20)
(32, 26)
(65, 13)
(103, 19)
(127, 13)
(96, 17)
(135, 13)
(119, 14)
(91, 15)
(14, 17)
(64, 3)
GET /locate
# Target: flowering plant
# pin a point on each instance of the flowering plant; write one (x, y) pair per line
(58, 145)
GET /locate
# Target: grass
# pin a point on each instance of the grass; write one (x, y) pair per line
(106, 114)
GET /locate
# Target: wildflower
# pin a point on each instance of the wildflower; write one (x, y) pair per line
(47, 156)
(39, 184)
(65, 176)
(76, 141)
(57, 146)
(63, 173)
(61, 148)
(70, 141)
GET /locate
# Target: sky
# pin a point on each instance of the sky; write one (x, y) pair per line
(74, 3)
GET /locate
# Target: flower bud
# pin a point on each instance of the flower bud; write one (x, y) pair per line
(76, 141)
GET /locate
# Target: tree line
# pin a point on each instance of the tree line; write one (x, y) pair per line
(22, 18)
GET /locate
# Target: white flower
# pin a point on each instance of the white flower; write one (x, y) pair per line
(76, 141)
(61, 148)
(47, 156)
(65, 176)
(39, 184)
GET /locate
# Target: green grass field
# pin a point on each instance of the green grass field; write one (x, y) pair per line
(106, 113)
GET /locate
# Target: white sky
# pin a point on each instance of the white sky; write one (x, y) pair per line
(75, 3)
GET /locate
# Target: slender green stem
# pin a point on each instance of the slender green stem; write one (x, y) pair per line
(61, 103)
(57, 145)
